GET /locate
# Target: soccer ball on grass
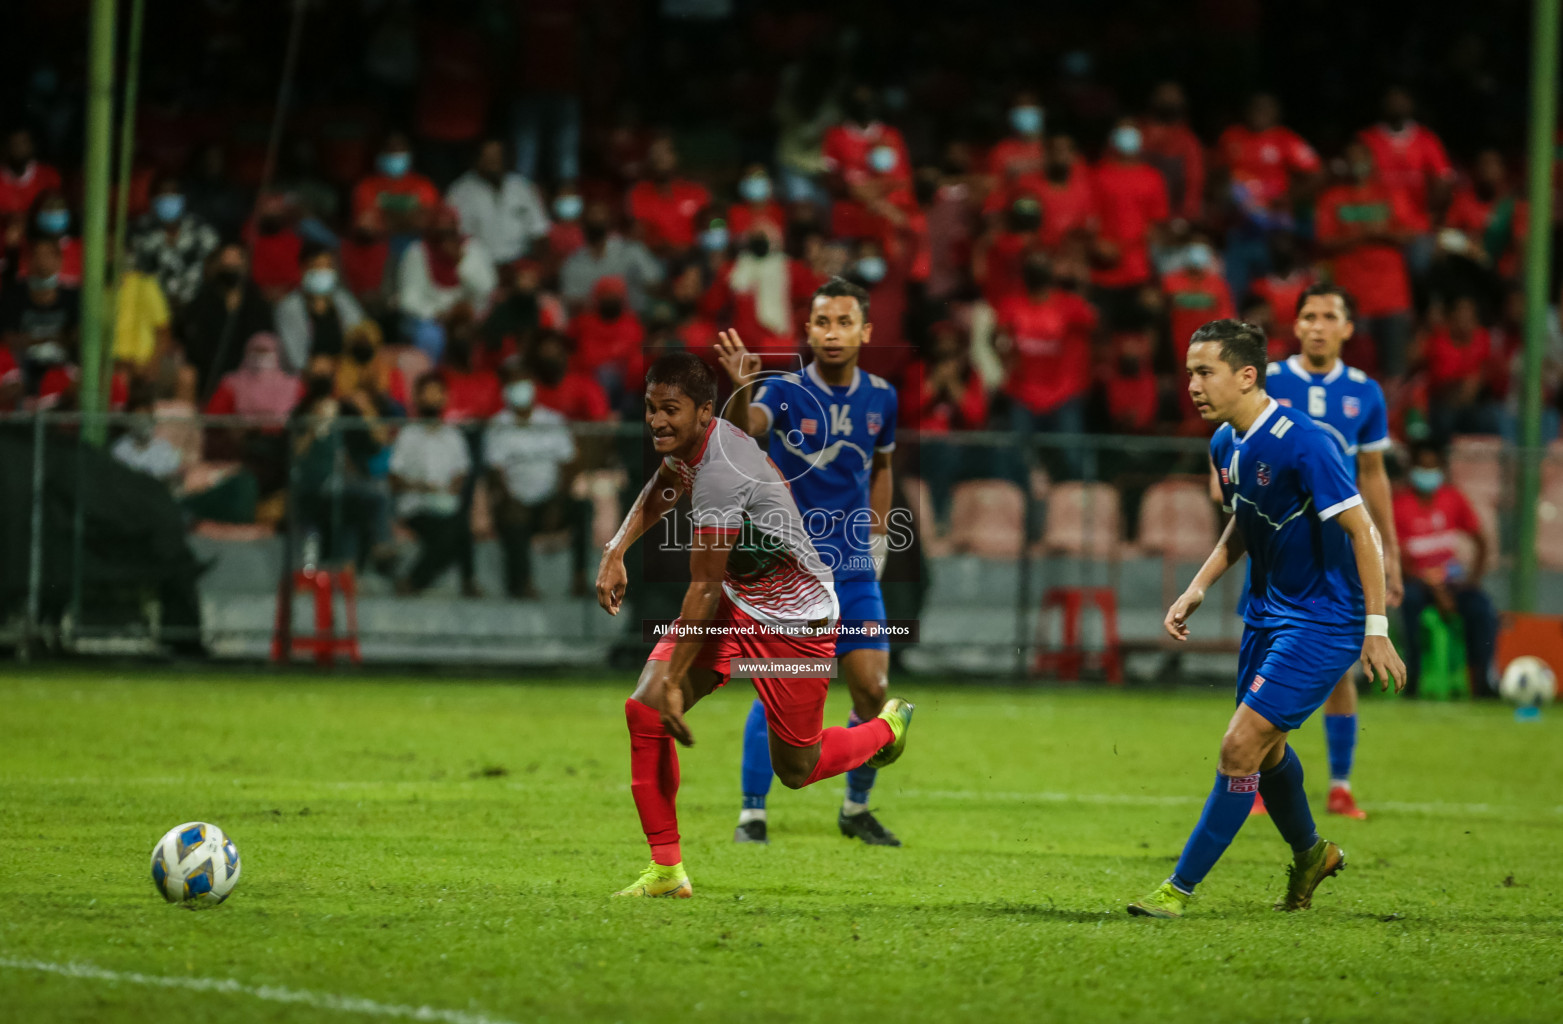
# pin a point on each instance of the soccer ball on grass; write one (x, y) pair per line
(1528, 682)
(195, 865)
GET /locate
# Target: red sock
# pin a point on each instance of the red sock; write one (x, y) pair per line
(841, 750)
(654, 780)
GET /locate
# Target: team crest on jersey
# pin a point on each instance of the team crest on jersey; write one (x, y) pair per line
(809, 427)
(1262, 474)
(875, 421)
(1284, 401)
(1351, 406)
(1254, 686)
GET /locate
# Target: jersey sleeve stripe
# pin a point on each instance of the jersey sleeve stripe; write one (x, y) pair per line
(886, 447)
(1381, 445)
(1336, 509)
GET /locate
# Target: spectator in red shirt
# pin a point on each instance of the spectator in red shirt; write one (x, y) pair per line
(1410, 159)
(946, 394)
(565, 234)
(1278, 346)
(365, 254)
(1490, 216)
(757, 206)
(1131, 203)
(472, 391)
(1019, 153)
(1267, 166)
(608, 337)
(1363, 224)
(863, 149)
(1467, 375)
(22, 175)
(998, 255)
(275, 248)
(1196, 295)
(1063, 191)
(1174, 150)
(1130, 390)
(1430, 517)
(51, 221)
(1044, 337)
(1281, 289)
(664, 208)
(402, 195)
(572, 393)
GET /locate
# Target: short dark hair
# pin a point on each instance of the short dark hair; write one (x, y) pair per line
(309, 250)
(1315, 290)
(1434, 444)
(1242, 344)
(841, 288)
(687, 372)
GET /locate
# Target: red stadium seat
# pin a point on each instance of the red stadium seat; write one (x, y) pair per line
(1084, 520)
(1549, 524)
(1178, 519)
(989, 518)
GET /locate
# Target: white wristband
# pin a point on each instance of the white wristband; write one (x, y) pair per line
(879, 551)
(1377, 625)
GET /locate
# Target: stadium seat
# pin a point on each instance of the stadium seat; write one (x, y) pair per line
(1084, 520)
(919, 497)
(1178, 519)
(1549, 524)
(1476, 467)
(989, 519)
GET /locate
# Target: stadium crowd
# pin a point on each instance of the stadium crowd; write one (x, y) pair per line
(490, 228)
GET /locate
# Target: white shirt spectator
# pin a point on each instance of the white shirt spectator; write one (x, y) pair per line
(420, 297)
(156, 457)
(507, 219)
(429, 455)
(621, 257)
(529, 455)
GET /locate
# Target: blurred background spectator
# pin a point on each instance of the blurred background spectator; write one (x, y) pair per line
(316, 317)
(429, 467)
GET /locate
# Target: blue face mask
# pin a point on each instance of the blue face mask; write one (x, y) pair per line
(394, 165)
(1126, 140)
(713, 239)
(53, 222)
(169, 208)
(320, 281)
(1026, 120)
(1426, 479)
(44, 284)
(871, 269)
(568, 207)
(1199, 257)
(755, 189)
(882, 159)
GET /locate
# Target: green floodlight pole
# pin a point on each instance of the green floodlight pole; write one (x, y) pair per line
(1538, 243)
(127, 140)
(100, 119)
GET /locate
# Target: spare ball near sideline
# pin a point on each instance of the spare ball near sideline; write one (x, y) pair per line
(196, 865)
(1528, 681)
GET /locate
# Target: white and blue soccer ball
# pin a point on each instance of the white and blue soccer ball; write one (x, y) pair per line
(1528, 682)
(195, 865)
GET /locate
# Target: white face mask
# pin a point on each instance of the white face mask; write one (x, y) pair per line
(265, 361)
(520, 395)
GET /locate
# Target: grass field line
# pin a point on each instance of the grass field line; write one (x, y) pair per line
(267, 993)
(1147, 800)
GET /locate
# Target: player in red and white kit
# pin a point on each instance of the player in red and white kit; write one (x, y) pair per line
(759, 590)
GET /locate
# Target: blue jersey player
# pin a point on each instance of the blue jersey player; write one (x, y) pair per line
(830, 429)
(1315, 605)
(1350, 406)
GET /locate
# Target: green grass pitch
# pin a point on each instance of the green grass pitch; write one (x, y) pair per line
(442, 850)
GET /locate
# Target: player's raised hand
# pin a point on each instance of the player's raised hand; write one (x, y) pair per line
(1178, 615)
(673, 712)
(1381, 661)
(611, 581)
(741, 364)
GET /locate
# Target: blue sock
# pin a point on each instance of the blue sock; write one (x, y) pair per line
(860, 780)
(1340, 735)
(756, 774)
(1282, 788)
(1225, 811)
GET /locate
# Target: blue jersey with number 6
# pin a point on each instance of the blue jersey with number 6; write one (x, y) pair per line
(1346, 402)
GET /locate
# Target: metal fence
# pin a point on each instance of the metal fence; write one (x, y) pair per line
(1047, 556)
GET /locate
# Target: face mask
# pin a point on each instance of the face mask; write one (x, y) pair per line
(49, 353)
(320, 281)
(1166, 113)
(520, 394)
(610, 309)
(713, 239)
(1199, 257)
(362, 352)
(269, 225)
(1128, 366)
(568, 207)
(551, 371)
(44, 284)
(1486, 191)
(317, 384)
(430, 410)
(759, 247)
(53, 222)
(871, 269)
(1025, 217)
(1126, 140)
(1036, 277)
(1426, 480)
(595, 233)
(882, 159)
(1026, 120)
(169, 208)
(755, 189)
(266, 361)
(1058, 171)
(228, 277)
(394, 165)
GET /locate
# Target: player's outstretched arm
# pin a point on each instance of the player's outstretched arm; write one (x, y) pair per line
(658, 496)
(1226, 554)
(707, 566)
(1379, 659)
(743, 369)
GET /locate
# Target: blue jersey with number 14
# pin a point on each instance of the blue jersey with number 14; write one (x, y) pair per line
(823, 439)
(1347, 403)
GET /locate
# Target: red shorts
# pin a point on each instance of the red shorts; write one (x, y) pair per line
(794, 708)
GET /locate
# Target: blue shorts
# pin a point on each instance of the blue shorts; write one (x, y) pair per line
(1286, 673)
(861, 603)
